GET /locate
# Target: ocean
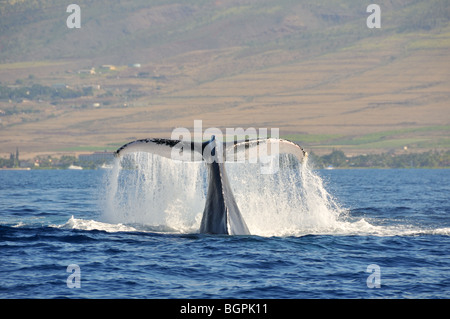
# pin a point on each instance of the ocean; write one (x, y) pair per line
(132, 232)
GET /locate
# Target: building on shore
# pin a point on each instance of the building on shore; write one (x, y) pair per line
(96, 157)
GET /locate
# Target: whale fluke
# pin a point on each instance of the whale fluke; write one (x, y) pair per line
(221, 214)
(162, 147)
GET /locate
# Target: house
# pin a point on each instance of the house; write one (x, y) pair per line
(87, 71)
(108, 67)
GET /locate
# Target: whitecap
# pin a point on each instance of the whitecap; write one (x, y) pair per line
(83, 224)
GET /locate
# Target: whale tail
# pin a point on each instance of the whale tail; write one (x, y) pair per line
(207, 151)
(221, 214)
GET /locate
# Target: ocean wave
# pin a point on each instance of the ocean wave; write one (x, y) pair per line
(360, 227)
(82, 224)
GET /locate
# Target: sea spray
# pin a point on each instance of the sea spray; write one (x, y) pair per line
(291, 202)
(155, 193)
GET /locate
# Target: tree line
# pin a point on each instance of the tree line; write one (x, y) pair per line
(338, 159)
(38, 91)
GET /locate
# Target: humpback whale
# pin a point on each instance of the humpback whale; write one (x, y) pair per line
(221, 214)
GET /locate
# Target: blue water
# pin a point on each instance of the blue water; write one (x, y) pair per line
(398, 220)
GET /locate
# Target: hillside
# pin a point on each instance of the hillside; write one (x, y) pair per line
(311, 68)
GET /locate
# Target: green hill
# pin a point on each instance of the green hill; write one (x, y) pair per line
(311, 68)
(124, 31)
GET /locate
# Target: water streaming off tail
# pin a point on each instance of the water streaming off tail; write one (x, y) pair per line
(151, 192)
(293, 201)
(155, 192)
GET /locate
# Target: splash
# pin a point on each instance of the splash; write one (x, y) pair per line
(291, 202)
(147, 192)
(154, 193)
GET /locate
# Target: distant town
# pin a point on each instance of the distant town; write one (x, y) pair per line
(83, 161)
(335, 160)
